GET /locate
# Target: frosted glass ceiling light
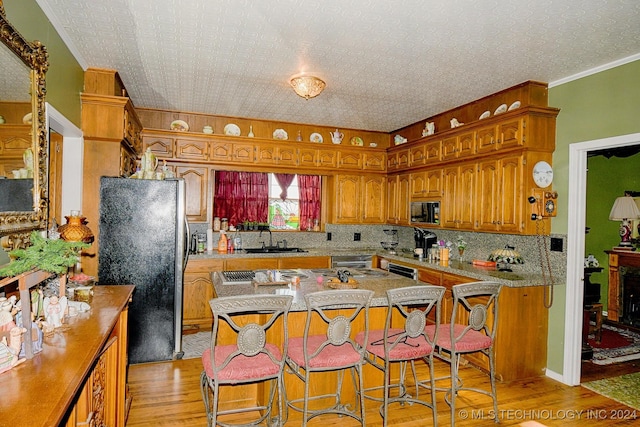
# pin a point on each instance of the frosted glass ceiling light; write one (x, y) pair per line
(306, 86)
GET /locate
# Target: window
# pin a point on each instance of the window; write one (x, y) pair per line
(284, 214)
(284, 201)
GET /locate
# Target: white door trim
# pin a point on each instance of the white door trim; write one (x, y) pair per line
(575, 248)
(72, 158)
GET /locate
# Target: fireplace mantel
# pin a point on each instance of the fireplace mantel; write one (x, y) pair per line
(618, 261)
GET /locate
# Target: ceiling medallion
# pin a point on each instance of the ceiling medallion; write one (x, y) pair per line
(307, 86)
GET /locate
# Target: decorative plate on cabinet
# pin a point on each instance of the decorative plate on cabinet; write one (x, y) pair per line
(356, 140)
(280, 134)
(485, 115)
(232, 130)
(179, 125)
(501, 109)
(316, 137)
(514, 105)
(27, 119)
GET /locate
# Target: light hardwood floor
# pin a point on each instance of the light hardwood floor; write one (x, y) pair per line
(168, 394)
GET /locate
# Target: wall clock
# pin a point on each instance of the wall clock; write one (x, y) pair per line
(542, 174)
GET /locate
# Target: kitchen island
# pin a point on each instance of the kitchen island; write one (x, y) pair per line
(378, 281)
(520, 348)
(521, 345)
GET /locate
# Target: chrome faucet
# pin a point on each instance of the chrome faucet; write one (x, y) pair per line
(270, 237)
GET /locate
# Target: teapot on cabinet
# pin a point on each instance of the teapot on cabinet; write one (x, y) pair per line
(148, 161)
(336, 137)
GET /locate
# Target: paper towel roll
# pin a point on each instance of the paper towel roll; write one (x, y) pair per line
(209, 240)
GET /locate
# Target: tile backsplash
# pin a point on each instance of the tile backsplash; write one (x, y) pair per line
(479, 245)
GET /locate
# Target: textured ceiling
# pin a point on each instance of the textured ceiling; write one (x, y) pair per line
(386, 63)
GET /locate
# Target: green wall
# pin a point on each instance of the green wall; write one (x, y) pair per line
(65, 76)
(598, 106)
(602, 190)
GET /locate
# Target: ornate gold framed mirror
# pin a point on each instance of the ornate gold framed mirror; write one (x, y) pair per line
(23, 138)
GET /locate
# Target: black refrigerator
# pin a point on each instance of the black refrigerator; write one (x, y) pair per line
(143, 240)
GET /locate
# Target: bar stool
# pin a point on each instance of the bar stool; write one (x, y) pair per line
(405, 340)
(596, 329)
(477, 304)
(340, 315)
(258, 354)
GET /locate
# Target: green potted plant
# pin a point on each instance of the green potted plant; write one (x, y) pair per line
(53, 256)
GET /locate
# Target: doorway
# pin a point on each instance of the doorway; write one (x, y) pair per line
(576, 248)
(69, 176)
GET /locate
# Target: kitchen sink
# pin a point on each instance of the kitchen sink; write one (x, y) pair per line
(272, 250)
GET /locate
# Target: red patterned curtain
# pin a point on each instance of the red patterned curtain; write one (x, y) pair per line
(310, 195)
(241, 196)
(284, 181)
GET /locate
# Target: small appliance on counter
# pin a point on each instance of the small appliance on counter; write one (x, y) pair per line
(390, 244)
(424, 240)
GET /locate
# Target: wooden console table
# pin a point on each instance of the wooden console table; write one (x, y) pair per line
(79, 378)
(617, 260)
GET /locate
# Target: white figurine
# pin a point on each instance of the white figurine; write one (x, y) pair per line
(9, 352)
(399, 139)
(54, 310)
(455, 123)
(429, 129)
(6, 316)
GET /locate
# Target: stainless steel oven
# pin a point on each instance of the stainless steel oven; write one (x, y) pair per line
(351, 261)
(403, 270)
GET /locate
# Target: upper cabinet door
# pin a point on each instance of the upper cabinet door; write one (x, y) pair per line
(161, 146)
(192, 149)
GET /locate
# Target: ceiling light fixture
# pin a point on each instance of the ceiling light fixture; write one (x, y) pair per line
(307, 86)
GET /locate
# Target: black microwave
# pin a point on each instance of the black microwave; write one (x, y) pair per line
(425, 212)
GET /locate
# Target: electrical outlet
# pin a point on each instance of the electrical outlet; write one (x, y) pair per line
(329, 235)
(356, 237)
(556, 244)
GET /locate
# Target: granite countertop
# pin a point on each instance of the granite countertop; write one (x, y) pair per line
(513, 279)
(378, 284)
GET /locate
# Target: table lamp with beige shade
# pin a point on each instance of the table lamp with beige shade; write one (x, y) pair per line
(624, 209)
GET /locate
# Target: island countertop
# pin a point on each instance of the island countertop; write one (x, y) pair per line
(378, 284)
(515, 279)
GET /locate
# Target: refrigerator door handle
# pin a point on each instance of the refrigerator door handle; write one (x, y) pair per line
(185, 258)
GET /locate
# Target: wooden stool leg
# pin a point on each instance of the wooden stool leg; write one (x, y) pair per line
(598, 331)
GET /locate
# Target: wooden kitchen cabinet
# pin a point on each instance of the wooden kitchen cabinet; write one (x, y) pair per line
(398, 159)
(275, 154)
(426, 184)
(348, 198)
(398, 199)
(192, 149)
(349, 160)
(317, 158)
(417, 155)
(198, 290)
(459, 146)
(359, 199)
(196, 180)
(161, 146)
(305, 262)
(112, 142)
(458, 200)
(374, 161)
(499, 136)
(374, 196)
(505, 177)
(232, 152)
